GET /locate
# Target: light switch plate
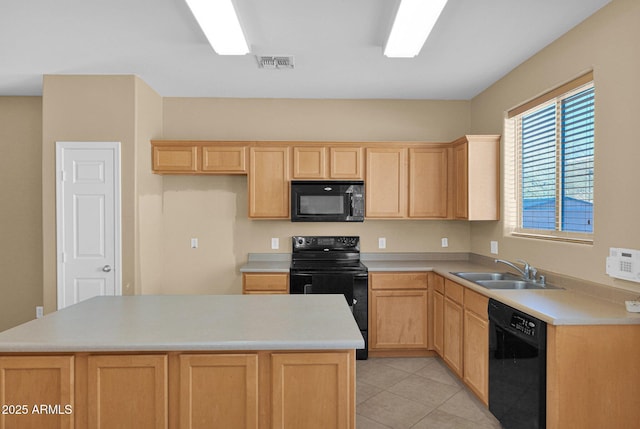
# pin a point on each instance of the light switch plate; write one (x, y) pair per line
(194, 243)
(382, 243)
(275, 243)
(494, 247)
(445, 242)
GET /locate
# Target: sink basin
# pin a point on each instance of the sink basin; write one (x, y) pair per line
(502, 281)
(513, 284)
(474, 277)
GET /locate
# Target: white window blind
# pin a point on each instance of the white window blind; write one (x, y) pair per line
(553, 172)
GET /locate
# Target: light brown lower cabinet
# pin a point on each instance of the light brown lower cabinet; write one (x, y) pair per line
(312, 391)
(127, 391)
(476, 344)
(398, 316)
(37, 392)
(453, 327)
(219, 390)
(265, 283)
(438, 313)
(186, 390)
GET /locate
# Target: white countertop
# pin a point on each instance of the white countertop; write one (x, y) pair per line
(191, 322)
(556, 307)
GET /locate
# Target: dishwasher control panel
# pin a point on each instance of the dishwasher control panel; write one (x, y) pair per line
(523, 324)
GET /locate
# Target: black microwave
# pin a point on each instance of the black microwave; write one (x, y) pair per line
(327, 201)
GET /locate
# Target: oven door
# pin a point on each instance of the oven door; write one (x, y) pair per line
(354, 287)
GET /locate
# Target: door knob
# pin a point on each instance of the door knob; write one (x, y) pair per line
(106, 268)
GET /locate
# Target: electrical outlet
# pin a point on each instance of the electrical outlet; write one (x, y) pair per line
(382, 243)
(39, 312)
(194, 243)
(275, 243)
(445, 242)
(494, 247)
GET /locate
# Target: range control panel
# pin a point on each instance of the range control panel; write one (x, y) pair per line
(523, 324)
(326, 242)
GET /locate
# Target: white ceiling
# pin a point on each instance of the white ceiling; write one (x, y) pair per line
(337, 46)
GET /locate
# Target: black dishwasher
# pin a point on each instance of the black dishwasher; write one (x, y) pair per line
(517, 367)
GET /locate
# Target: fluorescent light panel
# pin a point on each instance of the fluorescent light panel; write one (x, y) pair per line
(414, 21)
(219, 22)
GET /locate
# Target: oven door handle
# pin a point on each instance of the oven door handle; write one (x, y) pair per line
(307, 289)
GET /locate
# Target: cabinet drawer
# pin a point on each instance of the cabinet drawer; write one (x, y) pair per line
(265, 282)
(436, 282)
(453, 291)
(398, 280)
(476, 303)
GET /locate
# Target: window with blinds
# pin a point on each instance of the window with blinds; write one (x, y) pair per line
(553, 166)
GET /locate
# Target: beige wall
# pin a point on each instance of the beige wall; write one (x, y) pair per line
(608, 42)
(21, 213)
(214, 209)
(105, 108)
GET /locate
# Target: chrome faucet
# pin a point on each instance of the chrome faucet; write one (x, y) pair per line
(528, 272)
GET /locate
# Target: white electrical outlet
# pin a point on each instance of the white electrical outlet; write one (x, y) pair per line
(275, 243)
(445, 242)
(194, 243)
(39, 312)
(494, 247)
(382, 243)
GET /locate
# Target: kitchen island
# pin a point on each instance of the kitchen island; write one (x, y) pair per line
(227, 361)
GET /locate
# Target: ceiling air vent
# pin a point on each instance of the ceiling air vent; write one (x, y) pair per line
(275, 61)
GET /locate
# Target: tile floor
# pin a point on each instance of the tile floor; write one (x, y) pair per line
(415, 393)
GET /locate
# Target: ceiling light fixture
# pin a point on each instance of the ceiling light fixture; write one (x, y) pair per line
(413, 23)
(219, 22)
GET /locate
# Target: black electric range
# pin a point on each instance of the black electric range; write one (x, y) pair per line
(331, 264)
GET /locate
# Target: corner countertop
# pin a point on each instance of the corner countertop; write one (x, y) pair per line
(567, 306)
(189, 323)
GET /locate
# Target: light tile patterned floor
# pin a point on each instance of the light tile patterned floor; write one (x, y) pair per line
(415, 393)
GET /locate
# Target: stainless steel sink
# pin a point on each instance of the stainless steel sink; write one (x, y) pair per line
(513, 284)
(503, 281)
(474, 277)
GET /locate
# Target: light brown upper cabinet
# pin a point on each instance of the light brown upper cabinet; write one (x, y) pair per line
(386, 182)
(322, 162)
(199, 157)
(269, 182)
(428, 170)
(175, 159)
(476, 177)
(224, 159)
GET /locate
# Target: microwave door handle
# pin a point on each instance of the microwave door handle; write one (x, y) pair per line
(351, 205)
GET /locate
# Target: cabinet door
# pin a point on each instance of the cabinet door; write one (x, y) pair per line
(219, 391)
(461, 181)
(453, 325)
(428, 182)
(476, 355)
(313, 390)
(309, 162)
(34, 381)
(127, 391)
(386, 181)
(257, 283)
(346, 163)
(175, 159)
(438, 322)
(269, 182)
(224, 159)
(398, 319)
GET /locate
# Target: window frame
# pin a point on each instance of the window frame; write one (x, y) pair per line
(513, 177)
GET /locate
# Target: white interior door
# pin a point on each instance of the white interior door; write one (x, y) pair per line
(88, 220)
